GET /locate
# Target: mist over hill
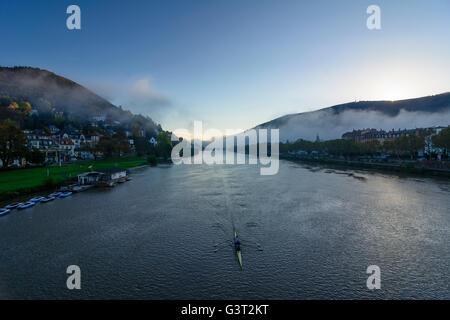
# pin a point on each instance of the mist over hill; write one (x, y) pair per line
(332, 122)
(51, 93)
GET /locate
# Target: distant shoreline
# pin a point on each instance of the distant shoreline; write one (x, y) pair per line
(371, 166)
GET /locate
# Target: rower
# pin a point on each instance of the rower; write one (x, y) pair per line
(237, 243)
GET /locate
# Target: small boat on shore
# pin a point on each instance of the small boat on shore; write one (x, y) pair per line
(45, 200)
(86, 187)
(36, 199)
(77, 189)
(121, 181)
(65, 195)
(13, 205)
(26, 205)
(112, 184)
(4, 212)
(54, 194)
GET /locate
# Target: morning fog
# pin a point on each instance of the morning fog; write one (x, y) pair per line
(250, 147)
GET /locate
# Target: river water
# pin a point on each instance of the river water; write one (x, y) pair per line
(307, 233)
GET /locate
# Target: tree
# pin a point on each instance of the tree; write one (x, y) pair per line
(442, 140)
(137, 130)
(142, 145)
(121, 144)
(105, 146)
(12, 142)
(13, 106)
(113, 146)
(415, 144)
(35, 156)
(164, 146)
(25, 108)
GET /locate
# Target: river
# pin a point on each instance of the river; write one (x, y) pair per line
(307, 233)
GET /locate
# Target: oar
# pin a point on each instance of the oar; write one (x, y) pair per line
(217, 245)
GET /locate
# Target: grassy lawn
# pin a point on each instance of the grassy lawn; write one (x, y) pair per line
(34, 177)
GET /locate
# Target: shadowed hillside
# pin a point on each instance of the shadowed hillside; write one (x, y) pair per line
(50, 93)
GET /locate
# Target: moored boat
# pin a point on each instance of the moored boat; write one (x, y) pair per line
(65, 194)
(4, 211)
(26, 205)
(36, 199)
(54, 194)
(13, 205)
(45, 200)
(77, 189)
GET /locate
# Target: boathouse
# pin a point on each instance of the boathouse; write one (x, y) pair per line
(102, 177)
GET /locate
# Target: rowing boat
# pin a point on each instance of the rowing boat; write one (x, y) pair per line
(238, 251)
(26, 205)
(4, 212)
(13, 205)
(65, 194)
(36, 199)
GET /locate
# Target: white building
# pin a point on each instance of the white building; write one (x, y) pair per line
(153, 141)
(429, 147)
(99, 118)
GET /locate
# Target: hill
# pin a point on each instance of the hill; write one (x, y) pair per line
(332, 122)
(51, 93)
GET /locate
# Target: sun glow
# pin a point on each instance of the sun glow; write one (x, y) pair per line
(398, 81)
(394, 94)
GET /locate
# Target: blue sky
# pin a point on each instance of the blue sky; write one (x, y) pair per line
(234, 64)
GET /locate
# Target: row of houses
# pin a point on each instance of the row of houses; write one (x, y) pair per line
(69, 144)
(62, 146)
(369, 134)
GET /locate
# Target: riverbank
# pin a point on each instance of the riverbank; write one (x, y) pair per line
(392, 167)
(14, 183)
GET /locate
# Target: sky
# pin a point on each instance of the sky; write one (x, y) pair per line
(234, 64)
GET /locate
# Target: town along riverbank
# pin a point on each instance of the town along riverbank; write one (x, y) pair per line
(411, 167)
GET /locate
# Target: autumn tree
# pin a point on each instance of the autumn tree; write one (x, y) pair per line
(25, 108)
(105, 146)
(12, 142)
(113, 146)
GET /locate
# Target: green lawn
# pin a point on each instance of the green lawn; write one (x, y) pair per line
(34, 177)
